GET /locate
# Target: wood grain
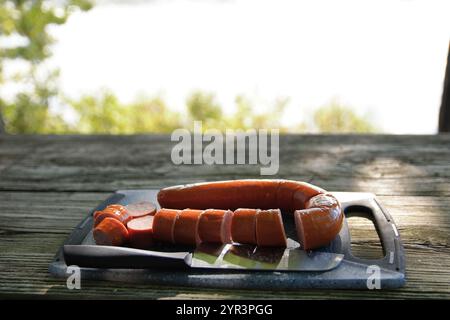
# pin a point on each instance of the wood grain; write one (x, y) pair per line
(48, 183)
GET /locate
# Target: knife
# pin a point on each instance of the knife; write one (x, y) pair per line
(231, 257)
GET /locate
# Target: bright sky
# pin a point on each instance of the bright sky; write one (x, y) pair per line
(384, 58)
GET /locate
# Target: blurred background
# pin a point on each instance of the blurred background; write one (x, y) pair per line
(124, 67)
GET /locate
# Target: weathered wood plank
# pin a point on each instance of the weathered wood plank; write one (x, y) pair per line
(48, 183)
(386, 165)
(27, 248)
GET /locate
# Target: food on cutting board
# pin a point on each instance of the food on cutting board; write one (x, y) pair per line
(141, 209)
(114, 211)
(318, 219)
(215, 226)
(140, 232)
(165, 222)
(111, 232)
(117, 233)
(241, 211)
(243, 221)
(185, 228)
(270, 229)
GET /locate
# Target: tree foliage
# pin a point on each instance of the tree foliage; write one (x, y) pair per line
(202, 106)
(336, 118)
(103, 113)
(25, 23)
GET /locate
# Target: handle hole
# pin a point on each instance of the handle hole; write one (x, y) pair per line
(365, 241)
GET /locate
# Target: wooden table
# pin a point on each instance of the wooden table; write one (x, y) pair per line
(48, 183)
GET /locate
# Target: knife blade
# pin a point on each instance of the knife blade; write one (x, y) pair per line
(239, 257)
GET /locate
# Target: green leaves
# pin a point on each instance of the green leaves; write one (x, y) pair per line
(336, 118)
(28, 111)
(103, 113)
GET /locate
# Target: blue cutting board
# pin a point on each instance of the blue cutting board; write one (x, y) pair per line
(352, 272)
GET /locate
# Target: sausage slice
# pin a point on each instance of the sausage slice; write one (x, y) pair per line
(320, 222)
(185, 230)
(140, 232)
(164, 223)
(215, 226)
(110, 232)
(117, 212)
(141, 209)
(270, 229)
(243, 226)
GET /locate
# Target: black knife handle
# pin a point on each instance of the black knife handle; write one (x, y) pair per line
(94, 256)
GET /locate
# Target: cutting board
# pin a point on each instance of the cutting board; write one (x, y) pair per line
(352, 272)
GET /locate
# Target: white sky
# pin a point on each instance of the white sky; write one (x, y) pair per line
(384, 58)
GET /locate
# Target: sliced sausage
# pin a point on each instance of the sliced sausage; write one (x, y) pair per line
(117, 212)
(140, 232)
(215, 226)
(319, 226)
(110, 232)
(110, 208)
(185, 230)
(320, 222)
(164, 223)
(269, 229)
(243, 226)
(141, 209)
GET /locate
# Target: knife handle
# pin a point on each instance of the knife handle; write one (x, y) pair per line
(94, 256)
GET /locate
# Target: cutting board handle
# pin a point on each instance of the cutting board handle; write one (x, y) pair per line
(387, 231)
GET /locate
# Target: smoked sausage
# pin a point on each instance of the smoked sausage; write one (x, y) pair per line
(164, 223)
(243, 226)
(318, 215)
(117, 212)
(140, 209)
(214, 226)
(269, 229)
(230, 195)
(320, 222)
(110, 232)
(140, 232)
(185, 229)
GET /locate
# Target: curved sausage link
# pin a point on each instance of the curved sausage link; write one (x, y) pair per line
(318, 215)
(320, 222)
(233, 194)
